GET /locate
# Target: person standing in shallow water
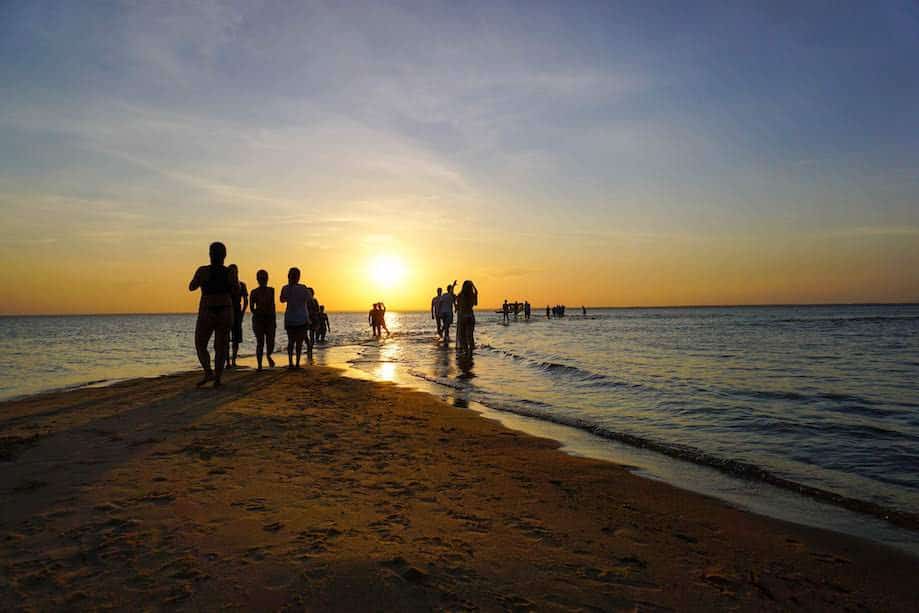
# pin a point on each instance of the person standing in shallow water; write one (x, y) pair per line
(219, 290)
(264, 318)
(239, 310)
(466, 301)
(435, 315)
(296, 315)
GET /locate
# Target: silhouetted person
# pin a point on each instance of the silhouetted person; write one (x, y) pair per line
(373, 318)
(264, 318)
(445, 309)
(505, 310)
(296, 315)
(548, 315)
(323, 324)
(466, 301)
(219, 290)
(527, 309)
(382, 315)
(435, 303)
(583, 310)
(239, 310)
(312, 305)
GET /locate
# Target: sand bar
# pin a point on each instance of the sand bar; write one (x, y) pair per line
(311, 491)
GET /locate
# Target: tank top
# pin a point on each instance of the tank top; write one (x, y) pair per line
(218, 281)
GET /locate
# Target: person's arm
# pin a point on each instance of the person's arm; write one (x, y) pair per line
(475, 295)
(328, 326)
(253, 301)
(195, 282)
(284, 293)
(245, 297)
(234, 284)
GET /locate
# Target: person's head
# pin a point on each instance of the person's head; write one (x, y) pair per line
(218, 253)
(262, 277)
(440, 291)
(293, 275)
(233, 268)
(505, 301)
(468, 287)
(322, 308)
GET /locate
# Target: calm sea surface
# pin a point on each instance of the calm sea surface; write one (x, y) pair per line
(826, 397)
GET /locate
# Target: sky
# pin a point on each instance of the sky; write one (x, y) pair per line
(608, 154)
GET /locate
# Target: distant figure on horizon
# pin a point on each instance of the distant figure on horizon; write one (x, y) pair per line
(219, 290)
(445, 309)
(296, 315)
(583, 310)
(264, 318)
(323, 324)
(527, 309)
(239, 310)
(435, 303)
(505, 310)
(466, 301)
(548, 312)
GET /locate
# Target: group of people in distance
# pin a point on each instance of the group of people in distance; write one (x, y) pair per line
(515, 307)
(377, 319)
(443, 306)
(224, 299)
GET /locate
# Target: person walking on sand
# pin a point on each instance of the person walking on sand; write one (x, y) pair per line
(264, 318)
(435, 302)
(296, 315)
(239, 310)
(219, 290)
(323, 324)
(445, 309)
(466, 301)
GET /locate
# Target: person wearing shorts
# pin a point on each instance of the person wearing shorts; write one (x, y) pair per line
(264, 319)
(219, 288)
(296, 315)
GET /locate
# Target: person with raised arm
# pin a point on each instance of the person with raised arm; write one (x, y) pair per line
(219, 290)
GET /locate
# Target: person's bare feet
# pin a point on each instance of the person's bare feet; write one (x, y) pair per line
(208, 376)
(217, 383)
(270, 362)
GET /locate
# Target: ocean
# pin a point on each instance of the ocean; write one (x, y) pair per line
(817, 400)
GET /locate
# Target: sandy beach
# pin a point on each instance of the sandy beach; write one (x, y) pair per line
(308, 490)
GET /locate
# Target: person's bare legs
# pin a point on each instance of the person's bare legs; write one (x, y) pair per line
(299, 351)
(269, 346)
(290, 349)
(204, 329)
(259, 348)
(222, 333)
(235, 353)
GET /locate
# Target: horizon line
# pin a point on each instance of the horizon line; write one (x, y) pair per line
(498, 306)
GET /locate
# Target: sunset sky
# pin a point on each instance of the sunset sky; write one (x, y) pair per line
(602, 153)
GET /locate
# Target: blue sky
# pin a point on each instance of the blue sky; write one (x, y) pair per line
(681, 138)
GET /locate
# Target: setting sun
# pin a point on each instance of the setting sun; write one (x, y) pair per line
(387, 271)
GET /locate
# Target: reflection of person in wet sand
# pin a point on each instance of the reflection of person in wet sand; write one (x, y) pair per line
(219, 290)
(296, 316)
(264, 321)
(466, 300)
(239, 311)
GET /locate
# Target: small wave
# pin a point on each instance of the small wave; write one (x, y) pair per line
(572, 372)
(736, 467)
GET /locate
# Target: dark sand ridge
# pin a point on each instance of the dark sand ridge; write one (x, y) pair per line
(312, 490)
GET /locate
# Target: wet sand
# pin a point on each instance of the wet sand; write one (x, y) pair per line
(309, 490)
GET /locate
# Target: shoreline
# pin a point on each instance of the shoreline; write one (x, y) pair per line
(785, 501)
(314, 488)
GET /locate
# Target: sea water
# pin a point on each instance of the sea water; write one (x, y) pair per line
(824, 397)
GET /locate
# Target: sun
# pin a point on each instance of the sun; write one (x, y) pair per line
(386, 270)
